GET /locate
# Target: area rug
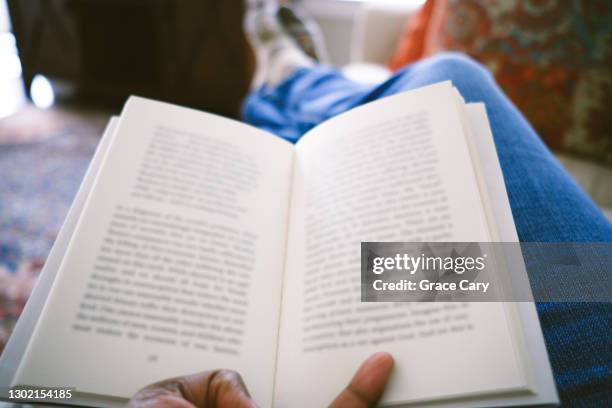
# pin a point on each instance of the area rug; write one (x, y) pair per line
(43, 157)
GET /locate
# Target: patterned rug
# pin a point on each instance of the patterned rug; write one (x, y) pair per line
(43, 157)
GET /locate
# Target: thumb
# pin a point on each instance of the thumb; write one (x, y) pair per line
(368, 383)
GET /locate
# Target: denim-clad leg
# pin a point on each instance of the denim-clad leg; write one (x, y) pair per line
(547, 205)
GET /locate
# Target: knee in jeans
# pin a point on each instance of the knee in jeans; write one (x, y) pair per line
(457, 67)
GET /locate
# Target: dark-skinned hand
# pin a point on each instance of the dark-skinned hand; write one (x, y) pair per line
(225, 389)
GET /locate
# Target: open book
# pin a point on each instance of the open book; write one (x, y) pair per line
(197, 242)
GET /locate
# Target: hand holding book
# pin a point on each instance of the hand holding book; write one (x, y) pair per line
(225, 388)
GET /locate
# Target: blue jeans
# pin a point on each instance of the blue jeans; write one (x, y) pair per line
(546, 203)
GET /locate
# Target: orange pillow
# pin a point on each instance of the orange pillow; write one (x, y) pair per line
(411, 46)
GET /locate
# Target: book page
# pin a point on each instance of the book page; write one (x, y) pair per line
(175, 266)
(398, 169)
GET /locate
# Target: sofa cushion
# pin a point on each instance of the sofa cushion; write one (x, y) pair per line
(552, 57)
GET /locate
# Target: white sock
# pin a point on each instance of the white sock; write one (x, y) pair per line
(283, 58)
(278, 56)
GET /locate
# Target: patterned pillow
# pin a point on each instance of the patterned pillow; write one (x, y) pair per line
(552, 57)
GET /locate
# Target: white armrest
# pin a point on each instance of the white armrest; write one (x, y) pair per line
(377, 30)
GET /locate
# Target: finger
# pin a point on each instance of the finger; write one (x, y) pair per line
(368, 383)
(226, 389)
(210, 389)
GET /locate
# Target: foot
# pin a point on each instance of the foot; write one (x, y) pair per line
(305, 33)
(282, 44)
(262, 24)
